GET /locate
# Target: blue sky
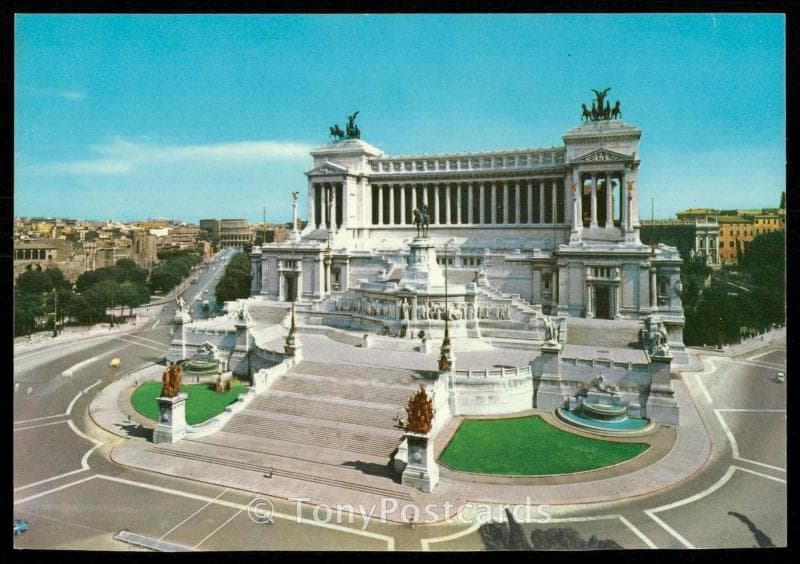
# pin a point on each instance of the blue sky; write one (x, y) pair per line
(137, 116)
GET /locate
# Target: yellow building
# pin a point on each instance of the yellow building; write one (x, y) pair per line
(766, 222)
(735, 233)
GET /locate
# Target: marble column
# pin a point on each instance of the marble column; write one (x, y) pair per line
(402, 205)
(589, 300)
(380, 204)
(334, 223)
(323, 202)
(541, 201)
(391, 203)
(481, 203)
(447, 210)
(623, 194)
(530, 201)
(458, 202)
(517, 190)
(653, 290)
(554, 203)
(312, 219)
(593, 223)
(470, 202)
(505, 203)
(609, 203)
(413, 198)
(493, 214)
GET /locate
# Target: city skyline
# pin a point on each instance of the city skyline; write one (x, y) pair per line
(216, 116)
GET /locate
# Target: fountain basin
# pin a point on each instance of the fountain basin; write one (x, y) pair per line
(604, 411)
(624, 426)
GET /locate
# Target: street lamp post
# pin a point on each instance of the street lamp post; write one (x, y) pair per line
(55, 313)
(444, 358)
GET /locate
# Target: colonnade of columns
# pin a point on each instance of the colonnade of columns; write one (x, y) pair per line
(31, 254)
(611, 182)
(327, 207)
(528, 202)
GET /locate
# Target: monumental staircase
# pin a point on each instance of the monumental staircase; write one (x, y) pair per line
(327, 423)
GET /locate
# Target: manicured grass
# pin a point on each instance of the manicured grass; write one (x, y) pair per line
(528, 446)
(203, 403)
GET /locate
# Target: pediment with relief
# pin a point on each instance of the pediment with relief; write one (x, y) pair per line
(600, 155)
(327, 169)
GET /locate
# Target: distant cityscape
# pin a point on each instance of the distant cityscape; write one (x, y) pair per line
(75, 246)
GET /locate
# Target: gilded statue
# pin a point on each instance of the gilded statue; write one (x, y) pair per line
(420, 412)
(171, 380)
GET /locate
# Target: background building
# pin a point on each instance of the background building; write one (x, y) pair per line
(228, 232)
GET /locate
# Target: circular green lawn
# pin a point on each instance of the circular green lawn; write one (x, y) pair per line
(203, 403)
(528, 446)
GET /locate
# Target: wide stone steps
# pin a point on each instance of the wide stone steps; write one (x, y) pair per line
(355, 373)
(327, 411)
(320, 436)
(517, 303)
(320, 386)
(357, 482)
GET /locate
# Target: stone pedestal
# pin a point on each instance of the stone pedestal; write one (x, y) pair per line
(421, 471)
(171, 419)
(661, 405)
(293, 348)
(550, 393)
(422, 269)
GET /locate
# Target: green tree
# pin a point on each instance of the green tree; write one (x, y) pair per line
(27, 307)
(235, 282)
(33, 282)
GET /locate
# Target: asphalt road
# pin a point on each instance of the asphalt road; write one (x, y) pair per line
(73, 496)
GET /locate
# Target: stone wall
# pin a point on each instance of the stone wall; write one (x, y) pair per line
(493, 391)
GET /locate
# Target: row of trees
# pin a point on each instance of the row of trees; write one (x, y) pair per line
(235, 282)
(723, 312)
(42, 295)
(174, 267)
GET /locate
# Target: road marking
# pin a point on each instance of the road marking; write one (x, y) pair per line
(732, 439)
(149, 543)
(427, 542)
(755, 356)
(759, 364)
(38, 419)
(475, 526)
(651, 512)
(71, 370)
(54, 490)
(231, 518)
(703, 389)
(158, 320)
(141, 345)
(72, 403)
(767, 476)
(387, 539)
(637, 532)
(40, 425)
(40, 482)
(146, 339)
(92, 386)
(744, 410)
(82, 434)
(193, 514)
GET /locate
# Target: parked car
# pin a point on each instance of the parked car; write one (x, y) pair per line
(20, 526)
(114, 363)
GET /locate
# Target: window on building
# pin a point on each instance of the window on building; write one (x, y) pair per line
(730, 244)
